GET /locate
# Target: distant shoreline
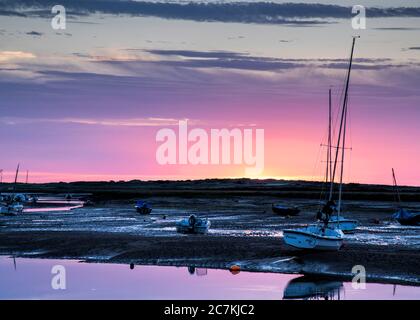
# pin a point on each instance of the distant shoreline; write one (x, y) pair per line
(128, 190)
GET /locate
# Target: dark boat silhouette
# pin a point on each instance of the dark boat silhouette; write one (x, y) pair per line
(285, 210)
(143, 207)
(309, 287)
(403, 216)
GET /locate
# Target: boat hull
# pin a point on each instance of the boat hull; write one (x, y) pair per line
(11, 210)
(345, 225)
(407, 218)
(201, 226)
(192, 230)
(285, 211)
(313, 238)
(143, 210)
(414, 221)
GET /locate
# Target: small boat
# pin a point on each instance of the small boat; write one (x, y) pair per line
(307, 287)
(193, 225)
(12, 206)
(407, 218)
(285, 210)
(342, 223)
(11, 209)
(403, 216)
(315, 237)
(143, 207)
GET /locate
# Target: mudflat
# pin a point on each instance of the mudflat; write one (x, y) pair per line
(244, 230)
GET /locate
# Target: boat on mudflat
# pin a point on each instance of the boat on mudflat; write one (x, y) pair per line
(12, 205)
(193, 225)
(316, 237)
(407, 218)
(143, 207)
(403, 216)
(344, 224)
(328, 234)
(285, 210)
(11, 209)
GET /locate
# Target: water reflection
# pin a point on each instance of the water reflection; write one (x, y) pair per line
(200, 272)
(307, 287)
(32, 280)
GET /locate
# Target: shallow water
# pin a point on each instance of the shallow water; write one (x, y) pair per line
(25, 278)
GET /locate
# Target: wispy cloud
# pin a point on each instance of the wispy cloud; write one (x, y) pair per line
(132, 122)
(245, 61)
(15, 55)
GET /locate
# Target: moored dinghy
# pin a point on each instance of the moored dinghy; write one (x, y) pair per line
(407, 218)
(342, 223)
(284, 210)
(143, 207)
(317, 237)
(12, 205)
(193, 225)
(403, 216)
(11, 209)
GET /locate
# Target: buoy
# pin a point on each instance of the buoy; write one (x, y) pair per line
(235, 269)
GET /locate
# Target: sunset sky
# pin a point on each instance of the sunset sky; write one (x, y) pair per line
(85, 103)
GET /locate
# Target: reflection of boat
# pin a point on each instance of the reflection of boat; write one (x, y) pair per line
(193, 225)
(306, 287)
(284, 210)
(403, 216)
(143, 207)
(199, 272)
(326, 235)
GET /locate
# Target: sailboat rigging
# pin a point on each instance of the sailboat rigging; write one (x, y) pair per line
(328, 235)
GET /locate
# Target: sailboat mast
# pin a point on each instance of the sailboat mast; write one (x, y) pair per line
(16, 177)
(342, 162)
(343, 119)
(396, 187)
(329, 167)
(343, 150)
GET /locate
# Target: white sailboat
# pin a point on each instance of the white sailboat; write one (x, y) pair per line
(327, 235)
(317, 237)
(12, 207)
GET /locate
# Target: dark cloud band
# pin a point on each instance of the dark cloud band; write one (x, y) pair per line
(257, 12)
